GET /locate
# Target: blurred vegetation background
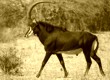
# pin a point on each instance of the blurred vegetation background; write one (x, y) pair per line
(74, 15)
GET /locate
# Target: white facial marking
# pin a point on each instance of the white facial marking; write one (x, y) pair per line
(30, 31)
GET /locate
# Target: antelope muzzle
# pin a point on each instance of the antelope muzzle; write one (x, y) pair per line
(29, 32)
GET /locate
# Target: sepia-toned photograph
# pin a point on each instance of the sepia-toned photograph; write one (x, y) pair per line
(54, 39)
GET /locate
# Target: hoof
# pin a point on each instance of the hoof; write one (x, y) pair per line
(103, 74)
(66, 75)
(76, 54)
(85, 74)
(38, 75)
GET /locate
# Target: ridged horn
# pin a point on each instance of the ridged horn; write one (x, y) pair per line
(29, 20)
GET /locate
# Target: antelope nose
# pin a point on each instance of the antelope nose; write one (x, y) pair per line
(26, 36)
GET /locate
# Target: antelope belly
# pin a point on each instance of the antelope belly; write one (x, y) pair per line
(76, 51)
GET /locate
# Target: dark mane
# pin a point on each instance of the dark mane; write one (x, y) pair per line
(50, 28)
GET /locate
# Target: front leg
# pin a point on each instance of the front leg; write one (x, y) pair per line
(60, 57)
(47, 56)
(48, 46)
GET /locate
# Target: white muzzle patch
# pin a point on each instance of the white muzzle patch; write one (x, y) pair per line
(29, 33)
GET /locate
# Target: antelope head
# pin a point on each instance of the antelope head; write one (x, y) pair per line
(32, 23)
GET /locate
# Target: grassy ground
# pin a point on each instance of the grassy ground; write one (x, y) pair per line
(31, 51)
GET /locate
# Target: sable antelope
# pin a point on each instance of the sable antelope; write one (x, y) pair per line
(55, 39)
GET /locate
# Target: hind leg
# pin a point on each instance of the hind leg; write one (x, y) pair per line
(88, 60)
(97, 59)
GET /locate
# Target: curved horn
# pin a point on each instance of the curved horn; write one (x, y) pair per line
(30, 9)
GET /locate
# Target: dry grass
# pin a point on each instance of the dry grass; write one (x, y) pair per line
(31, 51)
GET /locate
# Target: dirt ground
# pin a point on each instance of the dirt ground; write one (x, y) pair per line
(31, 51)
